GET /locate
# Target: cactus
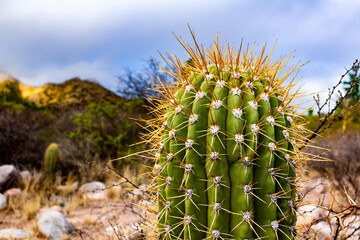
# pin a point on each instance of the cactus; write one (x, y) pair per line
(226, 142)
(51, 160)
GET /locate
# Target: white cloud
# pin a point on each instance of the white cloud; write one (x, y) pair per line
(83, 15)
(85, 70)
(45, 41)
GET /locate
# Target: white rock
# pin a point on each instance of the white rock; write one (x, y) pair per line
(13, 233)
(312, 211)
(3, 202)
(52, 208)
(8, 175)
(322, 229)
(94, 190)
(25, 174)
(352, 223)
(112, 230)
(307, 213)
(13, 193)
(321, 185)
(54, 225)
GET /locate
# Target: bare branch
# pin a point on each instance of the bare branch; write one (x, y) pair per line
(327, 119)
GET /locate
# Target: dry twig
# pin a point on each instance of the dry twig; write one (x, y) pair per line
(326, 120)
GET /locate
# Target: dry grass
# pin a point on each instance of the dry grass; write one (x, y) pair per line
(89, 220)
(29, 202)
(114, 193)
(73, 202)
(31, 206)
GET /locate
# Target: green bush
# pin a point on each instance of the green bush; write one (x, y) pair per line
(107, 129)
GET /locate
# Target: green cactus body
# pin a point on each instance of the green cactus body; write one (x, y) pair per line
(51, 161)
(226, 164)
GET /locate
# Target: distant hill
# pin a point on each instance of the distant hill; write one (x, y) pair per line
(72, 92)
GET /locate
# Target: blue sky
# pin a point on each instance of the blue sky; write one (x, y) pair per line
(51, 41)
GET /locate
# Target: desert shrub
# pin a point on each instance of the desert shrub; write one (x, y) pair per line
(105, 130)
(21, 134)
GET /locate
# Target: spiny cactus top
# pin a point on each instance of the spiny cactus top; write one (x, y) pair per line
(51, 161)
(225, 141)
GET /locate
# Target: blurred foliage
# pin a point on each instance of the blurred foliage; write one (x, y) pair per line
(97, 124)
(22, 124)
(355, 91)
(352, 116)
(107, 129)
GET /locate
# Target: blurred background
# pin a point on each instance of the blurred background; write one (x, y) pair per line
(72, 82)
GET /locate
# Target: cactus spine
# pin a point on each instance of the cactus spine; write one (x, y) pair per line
(51, 160)
(226, 147)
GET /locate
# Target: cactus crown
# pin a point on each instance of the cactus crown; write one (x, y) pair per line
(225, 140)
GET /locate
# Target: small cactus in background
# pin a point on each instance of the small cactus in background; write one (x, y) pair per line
(225, 142)
(51, 161)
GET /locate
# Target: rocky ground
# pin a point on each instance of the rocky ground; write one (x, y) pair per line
(90, 211)
(98, 220)
(98, 211)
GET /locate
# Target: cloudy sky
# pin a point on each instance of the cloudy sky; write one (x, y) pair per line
(50, 41)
